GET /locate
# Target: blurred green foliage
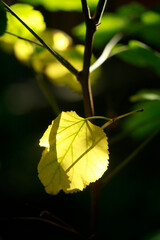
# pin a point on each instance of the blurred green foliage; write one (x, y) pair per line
(38, 57)
(141, 126)
(140, 55)
(131, 20)
(63, 5)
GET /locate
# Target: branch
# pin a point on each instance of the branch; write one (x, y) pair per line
(84, 79)
(62, 60)
(99, 11)
(84, 76)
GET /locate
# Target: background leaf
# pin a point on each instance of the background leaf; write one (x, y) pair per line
(141, 126)
(139, 54)
(33, 18)
(77, 154)
(146, 94)
(63, 5)
(133, 20)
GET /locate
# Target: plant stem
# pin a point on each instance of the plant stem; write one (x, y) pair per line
(84, 79)
(119, 117)
(84, 76)
(61, 59)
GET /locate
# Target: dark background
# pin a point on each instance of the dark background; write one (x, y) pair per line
(130, 203)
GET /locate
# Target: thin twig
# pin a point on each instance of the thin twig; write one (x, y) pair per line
(99, 11)
(72, 230)
(25, 39)
(61, 59)
(45, 212)
(119, 117)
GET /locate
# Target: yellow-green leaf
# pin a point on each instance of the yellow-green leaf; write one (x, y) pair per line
(76, 154)
(33, 18)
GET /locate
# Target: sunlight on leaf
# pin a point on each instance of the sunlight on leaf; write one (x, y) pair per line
(33, 18)
(76, 154)
(61, 41)
(23, 50)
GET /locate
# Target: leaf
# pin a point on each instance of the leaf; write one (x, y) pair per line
(76, 154)
(143, 125)
(151, 31)
(145, 94)
(33, 18)
(3, 19)
(63, 5)
(139, 54)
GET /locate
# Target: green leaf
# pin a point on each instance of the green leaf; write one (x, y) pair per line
(145, 94)
(141, 126)
(131, 11)
(76, 154)
(139, 54)
(63, 5)
(3, 19)
(151, 30)
(31, 17)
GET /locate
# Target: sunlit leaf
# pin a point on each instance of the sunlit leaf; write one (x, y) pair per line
(23, 50)
(3, 19)
(141, 55)
(63, 5)
(33, 18)
(76, 154)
